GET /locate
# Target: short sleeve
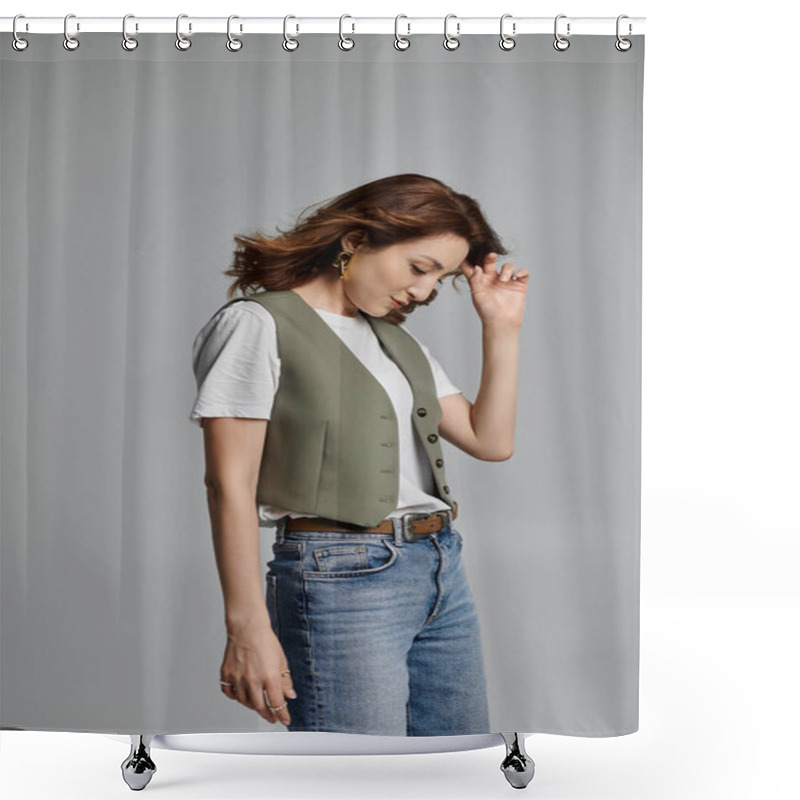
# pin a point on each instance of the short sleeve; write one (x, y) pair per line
(444, 385)
(235, 362)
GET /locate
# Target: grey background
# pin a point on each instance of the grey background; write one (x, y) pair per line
(124, 178)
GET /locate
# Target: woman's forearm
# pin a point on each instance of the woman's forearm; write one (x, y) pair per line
(234, 525)
(495, 407)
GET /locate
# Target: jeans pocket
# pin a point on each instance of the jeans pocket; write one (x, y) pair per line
(336, 560)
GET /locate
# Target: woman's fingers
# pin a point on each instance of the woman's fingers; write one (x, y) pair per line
(288, 686)
(274, 696)
(228, 692)
(250, 693)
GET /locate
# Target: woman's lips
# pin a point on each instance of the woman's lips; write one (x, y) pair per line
(395, 303)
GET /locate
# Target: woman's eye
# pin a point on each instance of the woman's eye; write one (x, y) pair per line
(422, 272)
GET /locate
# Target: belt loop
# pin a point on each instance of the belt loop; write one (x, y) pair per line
(397, 529)
(280, 528)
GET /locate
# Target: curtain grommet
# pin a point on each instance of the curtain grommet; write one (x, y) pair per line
(561, 43)
(400, 42)
(233, 44)
(18, 43)
(346, 43)
(290, 44)
(182, 42)
(70, 42)
(129, 43)
(507, 42)
(622, 44)
(451, 42)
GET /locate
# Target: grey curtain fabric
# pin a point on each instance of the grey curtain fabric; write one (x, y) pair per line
(125, 176)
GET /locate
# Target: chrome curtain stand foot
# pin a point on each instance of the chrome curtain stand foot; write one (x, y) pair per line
(138, 768)
(517, 766)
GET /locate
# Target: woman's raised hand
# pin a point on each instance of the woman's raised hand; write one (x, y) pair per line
(256, 665)
(498, 297)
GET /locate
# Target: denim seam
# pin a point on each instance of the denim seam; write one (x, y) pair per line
(318, 709)
(437, 604)
(272, 590)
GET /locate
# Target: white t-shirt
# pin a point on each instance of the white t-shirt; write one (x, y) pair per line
(237, 369)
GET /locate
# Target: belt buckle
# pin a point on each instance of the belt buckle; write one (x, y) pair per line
(408, 533)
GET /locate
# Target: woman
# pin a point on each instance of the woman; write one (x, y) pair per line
(317, 404)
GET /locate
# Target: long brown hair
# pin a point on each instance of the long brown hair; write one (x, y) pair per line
(383, 212)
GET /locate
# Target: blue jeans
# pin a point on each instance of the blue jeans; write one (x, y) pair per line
(381, 634)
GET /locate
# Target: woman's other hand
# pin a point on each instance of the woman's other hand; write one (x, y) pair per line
(253, 663)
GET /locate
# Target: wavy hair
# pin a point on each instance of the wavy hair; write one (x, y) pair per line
(382, 213)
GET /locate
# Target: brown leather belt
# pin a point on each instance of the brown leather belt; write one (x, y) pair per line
(417, 524)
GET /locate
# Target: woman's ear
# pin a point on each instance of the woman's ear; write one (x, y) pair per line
(353, 240)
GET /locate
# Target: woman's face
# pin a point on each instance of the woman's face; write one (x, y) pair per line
(404, 272)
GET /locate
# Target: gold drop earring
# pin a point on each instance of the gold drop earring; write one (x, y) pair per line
(342, 261)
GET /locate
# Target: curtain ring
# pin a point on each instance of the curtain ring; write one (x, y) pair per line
(18, 43)
(623, 45)
(451, 42)
(70, 42)
(289, 43)
(181, 42)
(560, 42)
(128, 42)
(507, 42)
(345, 43)
(400, 42)
(233, 44)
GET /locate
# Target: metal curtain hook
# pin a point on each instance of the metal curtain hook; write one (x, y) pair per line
(623, 45)
(560, 42)
(451, 42)
(346, 43)
(70, 42)
(18, 43)
(290, 43)
(233, 44)
(181, 42)
(507, 42)
(401, 43)
(128, 42)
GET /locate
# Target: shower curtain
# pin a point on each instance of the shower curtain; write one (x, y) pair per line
(126, 176)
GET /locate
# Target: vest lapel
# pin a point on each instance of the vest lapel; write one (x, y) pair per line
(321, 331)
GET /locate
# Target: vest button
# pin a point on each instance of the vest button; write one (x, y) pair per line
(439, 462)
(432, 437)
(422, 411)
(446, 489)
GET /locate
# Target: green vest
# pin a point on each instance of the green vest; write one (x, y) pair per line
(332, 442)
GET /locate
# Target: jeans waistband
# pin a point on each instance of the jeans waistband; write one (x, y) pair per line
(401, 533)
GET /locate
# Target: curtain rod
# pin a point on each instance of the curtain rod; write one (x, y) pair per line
(456, 26)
